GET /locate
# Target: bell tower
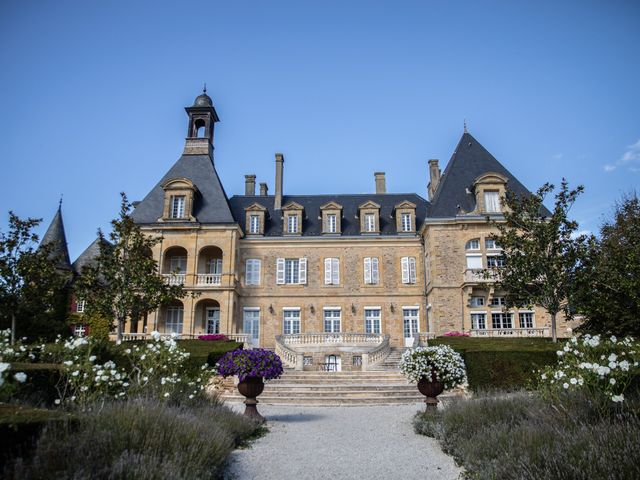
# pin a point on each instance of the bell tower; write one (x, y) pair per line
(202, 118)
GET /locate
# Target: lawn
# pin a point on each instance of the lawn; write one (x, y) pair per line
(201, 350)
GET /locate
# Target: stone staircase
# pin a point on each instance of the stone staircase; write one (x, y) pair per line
(391, 363)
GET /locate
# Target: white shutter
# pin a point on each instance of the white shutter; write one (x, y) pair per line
(375, 276)
(412, 269)
(327, 271)
(280, 271)
(474, 262)
(335, 271)
(405, 269)
(303, 271)
(367, 270)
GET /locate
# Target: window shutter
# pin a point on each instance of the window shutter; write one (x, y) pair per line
(335, 271)
(405, 269)
(327, 271)
(367, 270)
(412, 269)
(303, 271)
(280, 271)
(375, 276)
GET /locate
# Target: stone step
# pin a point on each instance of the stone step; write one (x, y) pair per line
(304, 389)
(333, 401)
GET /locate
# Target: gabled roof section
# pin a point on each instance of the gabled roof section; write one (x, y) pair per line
(312, 214)
(370, 204)
(56, 238)
(469, 161)
(255, 207)
(210, 202)
(405, 204)
(331, 206)
(89, 256)
(293, 206)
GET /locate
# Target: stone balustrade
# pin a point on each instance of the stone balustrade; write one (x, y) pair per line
(377, 355)
(332, 338)
(174, 278)
(290, 358)
(480, 276)
(236, 337)
(209, 279)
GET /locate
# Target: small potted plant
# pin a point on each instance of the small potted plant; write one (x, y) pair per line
(252, 367)
(435, 369)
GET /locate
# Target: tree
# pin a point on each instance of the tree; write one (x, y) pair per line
(607, 284)
(31, 286)
(124, 282)
(540, 251)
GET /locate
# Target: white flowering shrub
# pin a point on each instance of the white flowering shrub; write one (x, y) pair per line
(10, 380)
(594, 364)
(441, 363)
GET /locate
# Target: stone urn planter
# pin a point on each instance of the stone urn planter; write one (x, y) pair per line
(431, 390)
(250, 388)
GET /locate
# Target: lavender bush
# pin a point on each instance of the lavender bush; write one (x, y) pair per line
(257, 362)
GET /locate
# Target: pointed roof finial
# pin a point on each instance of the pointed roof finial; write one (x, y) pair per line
(465, 126)
(60, 202)
(204, 88)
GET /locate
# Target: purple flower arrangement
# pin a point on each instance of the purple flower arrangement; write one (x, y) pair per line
(213, 337)
(256, 362)
(456, 334)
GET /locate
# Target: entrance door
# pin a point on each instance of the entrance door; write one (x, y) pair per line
(410, 316)
(213, 320)
(333, 363)
(251, 325)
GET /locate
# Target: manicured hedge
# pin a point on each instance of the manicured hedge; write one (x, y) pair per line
(204, 351)
(502, 363)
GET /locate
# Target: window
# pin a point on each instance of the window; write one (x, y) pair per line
(474, 262)
(291, 271)
(213, 320)
(252, 273)
(215, 266)
(501, 320)
(177, 206)
(526, 319)
(332, 223)
(410, 320)
(371, 272)
(372, 320)
(497, 302)
(307, 360)
(369, 222)
(406, 222)
(178, 264)
(79, 330)
(408, 269)
(332, 320)
(331, 271)
(291, 323)
(80, 304)
(491, 201)
(251, 324)
(495, 261)
(292, 223)
(490, 244)
(478, 321)
(173, 321)
(254, 224)
(477, 301)
(473, 244)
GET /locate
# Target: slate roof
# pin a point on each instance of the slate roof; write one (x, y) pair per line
(56, 237)
(210, 203)
(469, 160)
(88, 257)
(312, 221)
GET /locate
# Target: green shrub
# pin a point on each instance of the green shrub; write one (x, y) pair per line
(522, 436)
(503, 363)
(142, 439)
(40, 386)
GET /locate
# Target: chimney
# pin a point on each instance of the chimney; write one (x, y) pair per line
(277, 204)
(434, 177)
(381, 184)
(250, 185)
(264, 190)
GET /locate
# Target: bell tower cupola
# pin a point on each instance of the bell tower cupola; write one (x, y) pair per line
(202, 117)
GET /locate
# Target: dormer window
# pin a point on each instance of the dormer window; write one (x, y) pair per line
(489, 188)
(255, 221)
(405, 213)
(179, 194)
(331, 218)
(177, 206)
(492, 201)
(369, 217)
(292, 218)
(369, 222)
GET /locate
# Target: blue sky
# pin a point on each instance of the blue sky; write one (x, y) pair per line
(92, 96)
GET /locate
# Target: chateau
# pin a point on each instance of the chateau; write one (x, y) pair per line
(329, 279)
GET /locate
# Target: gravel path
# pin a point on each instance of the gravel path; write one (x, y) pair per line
(374, 442)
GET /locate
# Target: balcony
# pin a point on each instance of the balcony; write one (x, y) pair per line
(512, 332)
(174, 278)
(208, 279)
(480, 276)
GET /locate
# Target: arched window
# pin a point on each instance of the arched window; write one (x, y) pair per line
(473, 244)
